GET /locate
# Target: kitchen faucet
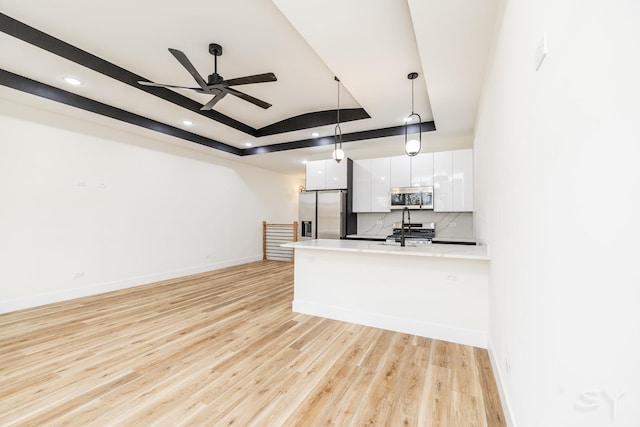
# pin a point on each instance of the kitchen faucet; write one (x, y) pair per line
(402, 230)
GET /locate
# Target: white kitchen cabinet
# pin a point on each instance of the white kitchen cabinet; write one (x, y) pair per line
(380, 185)
(422, 170)
(400, 171)
(326, 175)
(462, 163)
(453, 181)
(314, 176)
(443, 181)
(335, 174)
(362, 185)
(371, 186)
(412, 171)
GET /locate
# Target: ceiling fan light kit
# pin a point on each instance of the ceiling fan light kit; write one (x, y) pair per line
(216, 85)
(338, 153)
(412, 145)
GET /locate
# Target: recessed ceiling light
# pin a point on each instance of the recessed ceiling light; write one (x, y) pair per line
(72, 81)
(304, 162)
(315, 134)
(248, 144)
(187, 122)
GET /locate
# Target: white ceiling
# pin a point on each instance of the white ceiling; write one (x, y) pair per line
(370, 45)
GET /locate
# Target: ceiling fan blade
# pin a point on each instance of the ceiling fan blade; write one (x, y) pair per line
(258, 78)
(182, 59)
(144, 83)
(249, 98)
(209, 105)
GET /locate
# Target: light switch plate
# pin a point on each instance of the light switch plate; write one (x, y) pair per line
(541, 51)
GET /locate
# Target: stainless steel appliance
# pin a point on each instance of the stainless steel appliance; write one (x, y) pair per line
(415, 234)
(325, 215)
(412, 198)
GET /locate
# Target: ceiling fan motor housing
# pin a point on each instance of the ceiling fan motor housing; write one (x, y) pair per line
(214, 79)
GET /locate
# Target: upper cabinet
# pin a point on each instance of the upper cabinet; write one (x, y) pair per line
(462, 163)
(450, 173)
(371, 185)
(326, 175)
(453, 181)
(400, 171)
(314, 176)
(362, 185)
(422, 170)
(380, 185)
(412, 171)
(336, 174)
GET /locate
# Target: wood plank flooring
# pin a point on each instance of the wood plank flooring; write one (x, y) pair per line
(224, 348)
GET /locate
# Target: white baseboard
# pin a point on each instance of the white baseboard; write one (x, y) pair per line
(407, 326)
(100, 288)
(504, 400)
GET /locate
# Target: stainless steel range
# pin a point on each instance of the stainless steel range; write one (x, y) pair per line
(415, 234)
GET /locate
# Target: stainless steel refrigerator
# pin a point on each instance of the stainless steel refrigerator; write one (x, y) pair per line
(325, 215)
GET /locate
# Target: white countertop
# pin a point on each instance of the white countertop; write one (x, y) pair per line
(476, 252)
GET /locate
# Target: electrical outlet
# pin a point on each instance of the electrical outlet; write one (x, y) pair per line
(452, 277)
(452, 224)
(78, 275)
(379, 222)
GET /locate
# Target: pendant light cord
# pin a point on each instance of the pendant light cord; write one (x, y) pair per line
(338, 100)
(338, 154)
(412, 96)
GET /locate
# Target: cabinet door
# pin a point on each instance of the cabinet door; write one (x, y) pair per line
(422, 170)
(400, 171)
(380, 186)
(462, 164)
(362, 185)
(314, 176)
(442, 181)
(336, 174)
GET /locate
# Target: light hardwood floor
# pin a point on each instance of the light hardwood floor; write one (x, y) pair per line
(224, 348)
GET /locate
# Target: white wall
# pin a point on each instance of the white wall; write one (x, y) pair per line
(119, 209)
(557, 179)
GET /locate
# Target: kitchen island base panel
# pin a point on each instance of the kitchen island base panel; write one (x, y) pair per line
(435, 297)
(408, 326)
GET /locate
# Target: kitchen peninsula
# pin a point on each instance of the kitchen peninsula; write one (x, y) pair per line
(437, 291)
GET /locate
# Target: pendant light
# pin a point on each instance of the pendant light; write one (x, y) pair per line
(413, 144)
(338, 153)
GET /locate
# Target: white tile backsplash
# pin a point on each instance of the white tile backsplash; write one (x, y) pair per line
(448, 224)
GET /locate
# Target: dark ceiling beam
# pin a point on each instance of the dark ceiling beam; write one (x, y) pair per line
(33, 87)
(347, 137)
(312, 120)
(65, 50)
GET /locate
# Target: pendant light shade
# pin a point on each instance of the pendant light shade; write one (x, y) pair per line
(412, 126)
(338, 153)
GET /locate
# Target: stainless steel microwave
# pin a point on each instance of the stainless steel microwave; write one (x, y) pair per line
(412, 198)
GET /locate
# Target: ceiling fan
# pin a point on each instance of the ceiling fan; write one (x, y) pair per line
(216, 85)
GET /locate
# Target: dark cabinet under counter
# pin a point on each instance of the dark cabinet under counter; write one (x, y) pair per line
(365, 237)
(454, 242)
